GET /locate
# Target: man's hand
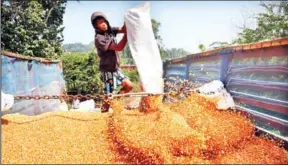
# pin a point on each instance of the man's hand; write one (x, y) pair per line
(120, 46)
(123, 29)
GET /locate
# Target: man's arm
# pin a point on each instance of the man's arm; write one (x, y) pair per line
(120, 46)
(108, 44)
(122, 29)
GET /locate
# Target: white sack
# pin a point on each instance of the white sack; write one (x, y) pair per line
(88, 105)
(216, 93)
(7, 101)
(144, 48)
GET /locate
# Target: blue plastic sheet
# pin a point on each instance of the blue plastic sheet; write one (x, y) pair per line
(23, 77)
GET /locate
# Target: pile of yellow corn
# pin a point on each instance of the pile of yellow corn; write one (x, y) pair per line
(192, 131)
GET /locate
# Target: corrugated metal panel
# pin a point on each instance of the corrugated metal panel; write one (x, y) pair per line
(255, 74)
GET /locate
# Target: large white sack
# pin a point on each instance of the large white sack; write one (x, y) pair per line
(88, 105)
(7, 101)
(144, 48)
(216, 93)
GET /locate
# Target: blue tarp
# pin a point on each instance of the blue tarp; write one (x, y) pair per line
(23, 77)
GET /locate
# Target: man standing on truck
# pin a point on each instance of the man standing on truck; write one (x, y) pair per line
(107, 49)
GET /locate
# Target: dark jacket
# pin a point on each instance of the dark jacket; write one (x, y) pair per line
(109, 59)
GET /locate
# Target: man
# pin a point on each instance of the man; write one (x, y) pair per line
(107, 50)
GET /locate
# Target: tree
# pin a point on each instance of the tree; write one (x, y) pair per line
(202, 47)
(176, 52)
(270, 25)
(164, 53)
(81, 72)
(78, 47)
(127, 56)
(219, 44)
(33, 28)
(155, 27)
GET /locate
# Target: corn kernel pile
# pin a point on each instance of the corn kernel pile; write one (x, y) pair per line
(255, 151)
(56, 138)
(192, 131)
(223, 129)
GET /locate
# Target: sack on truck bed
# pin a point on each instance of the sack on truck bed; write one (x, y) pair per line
(7, 101)
(88, 105)
(216, 93)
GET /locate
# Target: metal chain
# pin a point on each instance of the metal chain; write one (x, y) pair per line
(106, 97)
(65, 97)
(101, 97)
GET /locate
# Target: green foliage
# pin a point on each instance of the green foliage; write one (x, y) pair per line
(218, 44)
(81, 72)
(202, 47)
(176, 52)
(155, 27)
(133, 75)
(33, 28)
(271, 24)
(126, 56)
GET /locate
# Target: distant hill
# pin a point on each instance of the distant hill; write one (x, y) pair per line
(78, 47)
